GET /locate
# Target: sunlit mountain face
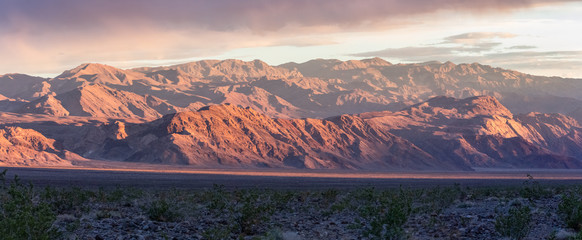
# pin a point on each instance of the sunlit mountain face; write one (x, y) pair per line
(365, 114)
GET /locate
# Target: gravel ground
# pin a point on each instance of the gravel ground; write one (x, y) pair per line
(289, 208)
(305, 215)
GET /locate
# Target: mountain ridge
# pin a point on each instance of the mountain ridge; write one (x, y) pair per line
(324, 113)
(318, 88)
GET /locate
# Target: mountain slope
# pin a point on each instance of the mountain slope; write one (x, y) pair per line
(441, 133)
(26, 147)
(45, 105)
(229, 136)
(481, 119)
(100, 101)
(23, 86)
(101, 74)
(226, 71)
(481, 132)
(318, 88)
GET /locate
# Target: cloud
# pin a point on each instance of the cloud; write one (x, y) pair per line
(228, 15)
(474, 43)
(560, 63)
(522, 47)
(413, 54)
(476, 37)
(58, 34)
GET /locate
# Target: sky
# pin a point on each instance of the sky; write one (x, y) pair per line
(44, 38)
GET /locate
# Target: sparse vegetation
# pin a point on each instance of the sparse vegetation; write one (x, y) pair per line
(222, 213)
(21, 215)
(386, 214)
(161, 210)
(516, 223)
(532, 189)
(571, 210)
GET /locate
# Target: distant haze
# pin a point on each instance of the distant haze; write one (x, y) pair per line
(539, 37)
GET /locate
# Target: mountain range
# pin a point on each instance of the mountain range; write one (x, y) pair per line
(322, 114)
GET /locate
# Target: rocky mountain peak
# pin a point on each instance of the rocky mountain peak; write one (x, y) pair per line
(88, 69)
(376, 62)
(449, 107)
(101, 73)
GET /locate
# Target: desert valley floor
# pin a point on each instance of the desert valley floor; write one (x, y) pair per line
(147, 176)
(183, 203)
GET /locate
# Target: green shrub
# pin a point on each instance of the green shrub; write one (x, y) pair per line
(386, 215)
(515, 224)
(438, 198)
(329, 196)
(21, 217)
(216, 233)
(532, 189)
(162, 211)
(217, 197)
(273, 234)
(66, 200)
(571, 210)
(251, 211)
(282, 199)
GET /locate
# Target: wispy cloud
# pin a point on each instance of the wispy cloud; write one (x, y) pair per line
(477, 37)
(474, 43)
(44, 35)
(478, 47)
(522, 47)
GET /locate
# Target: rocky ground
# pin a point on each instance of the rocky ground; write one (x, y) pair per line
(528, 211)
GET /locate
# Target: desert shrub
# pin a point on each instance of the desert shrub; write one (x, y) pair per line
(241, 212)
(282, 199)
(250, 211)
(21, 217)
(571, 210)
(329, 196)
(216, 233)
(515, 224)
(162, 211)
(217, 197)
(3, 178)
(118, 194)
(367, 194)
(273, 234)
(437, 199)
(532, 189)
(386, 214)
(66, 200)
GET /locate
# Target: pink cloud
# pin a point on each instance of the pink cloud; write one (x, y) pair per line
(228, 15)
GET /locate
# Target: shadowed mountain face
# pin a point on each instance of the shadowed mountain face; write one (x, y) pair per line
(386, 116)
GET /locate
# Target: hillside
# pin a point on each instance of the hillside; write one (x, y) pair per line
(26, 147)
(317, 89)
(234, 137)
(481, 132)
(359, 114)
(441, 133)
